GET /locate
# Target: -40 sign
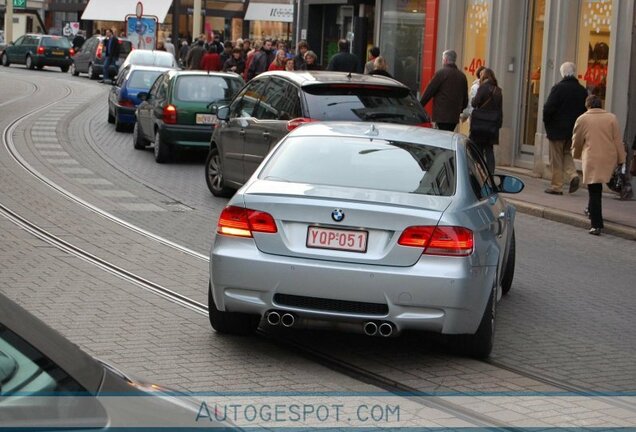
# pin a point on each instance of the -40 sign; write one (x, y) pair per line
(19, 4)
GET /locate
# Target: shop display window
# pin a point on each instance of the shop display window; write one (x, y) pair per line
(595, 28)
(402, 36)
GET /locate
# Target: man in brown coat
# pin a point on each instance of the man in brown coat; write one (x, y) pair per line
(449, 91)
(597, 141)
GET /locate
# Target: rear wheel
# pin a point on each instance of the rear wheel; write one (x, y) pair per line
(5, 59)
(91, 72)
(29, 62)
(509, 270)
(64, 68)
(479, 345)
(214, 174)
(162, 149)
(74, 70)
(139, 142)
(231, 322)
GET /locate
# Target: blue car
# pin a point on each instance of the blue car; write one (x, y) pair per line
(123, 100)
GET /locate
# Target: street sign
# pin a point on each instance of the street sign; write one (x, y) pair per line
(19, 4)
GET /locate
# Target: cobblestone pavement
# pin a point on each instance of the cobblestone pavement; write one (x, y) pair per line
(569, 315)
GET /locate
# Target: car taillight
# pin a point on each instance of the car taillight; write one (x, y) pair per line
(126, 103)
(40, 50)
(170, 114)
(100, 48)
(426, 125)
(242, 222)
(440, 240)
(294, 123)
(71, 52)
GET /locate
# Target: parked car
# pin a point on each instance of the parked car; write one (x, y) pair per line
(90, 58)
(42, 371)
(151, 58)
(376, 228)
(123, 96)
(176, 113)
(37, 51)
(274, 103)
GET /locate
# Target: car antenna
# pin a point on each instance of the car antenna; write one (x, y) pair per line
(349, 75)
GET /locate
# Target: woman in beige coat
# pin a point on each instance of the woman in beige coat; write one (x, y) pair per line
(598, 143)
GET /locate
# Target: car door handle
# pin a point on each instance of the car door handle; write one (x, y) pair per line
(266, 134)
(501, 219)
(242, 132)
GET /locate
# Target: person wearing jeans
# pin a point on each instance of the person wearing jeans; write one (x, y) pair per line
(597, 141)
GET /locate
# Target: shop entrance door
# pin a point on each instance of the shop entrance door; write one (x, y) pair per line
(532, 76)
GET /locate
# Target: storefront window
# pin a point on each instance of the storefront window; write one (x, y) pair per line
(476, 34)
(402, 35)
(594, 45)
(533, 74)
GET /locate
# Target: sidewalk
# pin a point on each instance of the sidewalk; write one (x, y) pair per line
(619, 216)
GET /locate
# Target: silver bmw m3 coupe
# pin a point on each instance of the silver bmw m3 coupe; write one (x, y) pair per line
(374, 228)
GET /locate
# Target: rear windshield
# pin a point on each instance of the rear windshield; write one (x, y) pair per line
(353, 102)
(124, 48)
(364, 163)
(150, 58)
(143, 79)
(55, 42)
(206, 88)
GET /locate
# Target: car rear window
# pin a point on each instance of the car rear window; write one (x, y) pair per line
(56, 42)
(125, 47)
(355, 102)
(205, 88)
(150, 58)
(364, 163)
(143, 79)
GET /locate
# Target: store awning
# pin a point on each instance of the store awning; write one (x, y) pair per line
(109, 10)
(270, 12)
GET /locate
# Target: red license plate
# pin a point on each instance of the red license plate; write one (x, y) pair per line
(337, 239)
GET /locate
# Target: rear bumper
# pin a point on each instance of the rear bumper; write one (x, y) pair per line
(438, 294)
(39, 60)
(186, 135)
(125, 114)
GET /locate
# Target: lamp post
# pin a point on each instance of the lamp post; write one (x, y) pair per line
(196, 19)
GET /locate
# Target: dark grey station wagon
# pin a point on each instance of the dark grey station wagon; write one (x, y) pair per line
(274, 103)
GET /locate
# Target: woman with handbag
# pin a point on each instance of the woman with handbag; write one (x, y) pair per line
(598, 143)
(487, 116)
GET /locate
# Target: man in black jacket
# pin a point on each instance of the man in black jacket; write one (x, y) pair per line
(565, 104)
(262, 60)
(449, 90)
(344, 61)
(111, 54)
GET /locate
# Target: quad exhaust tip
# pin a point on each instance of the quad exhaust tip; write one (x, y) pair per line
(370, 328)
(287, 320)
(385, 329)
(273, 318)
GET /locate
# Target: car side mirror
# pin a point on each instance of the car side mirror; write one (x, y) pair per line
(143, 96)
(11, 43)
(508, 184)
(223, 113)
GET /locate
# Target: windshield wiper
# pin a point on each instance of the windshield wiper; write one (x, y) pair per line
(381, 115)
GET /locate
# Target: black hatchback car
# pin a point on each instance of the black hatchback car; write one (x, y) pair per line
(274, 103)
(37, 51)
(89, 59)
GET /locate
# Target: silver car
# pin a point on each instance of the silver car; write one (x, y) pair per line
(375, 228)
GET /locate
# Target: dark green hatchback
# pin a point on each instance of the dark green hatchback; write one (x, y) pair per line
(177, 111)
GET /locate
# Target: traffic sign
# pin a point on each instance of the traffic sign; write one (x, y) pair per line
(19, 4)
